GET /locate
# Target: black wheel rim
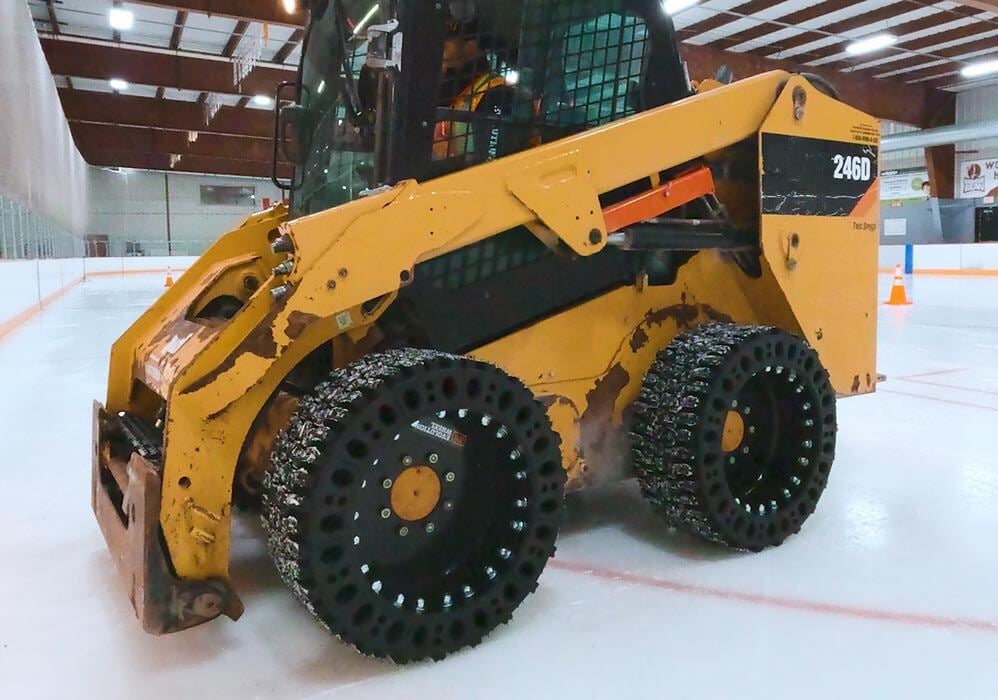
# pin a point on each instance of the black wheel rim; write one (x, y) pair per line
(763, 488)
(424, 564)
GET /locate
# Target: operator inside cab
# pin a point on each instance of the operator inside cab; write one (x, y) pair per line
(470, 84)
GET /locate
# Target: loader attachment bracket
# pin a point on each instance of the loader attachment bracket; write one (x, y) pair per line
(560, 192)
(126, 500)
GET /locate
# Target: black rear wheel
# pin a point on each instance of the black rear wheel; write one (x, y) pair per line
(734, 434)
(413, 502)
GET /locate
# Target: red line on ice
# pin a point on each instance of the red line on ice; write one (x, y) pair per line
(895, 616)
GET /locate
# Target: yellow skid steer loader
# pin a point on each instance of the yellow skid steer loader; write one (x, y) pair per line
(524, 254)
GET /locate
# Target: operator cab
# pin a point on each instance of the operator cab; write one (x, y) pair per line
(416, 89)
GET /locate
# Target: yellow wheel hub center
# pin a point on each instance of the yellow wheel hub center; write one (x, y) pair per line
(734, 431)
(415, 493)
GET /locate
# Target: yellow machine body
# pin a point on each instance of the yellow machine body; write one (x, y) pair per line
(586, 364)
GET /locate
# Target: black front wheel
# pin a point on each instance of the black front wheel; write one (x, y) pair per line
(413, 502)
(734, 434)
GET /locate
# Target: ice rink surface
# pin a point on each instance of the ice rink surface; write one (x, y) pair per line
(888, 592)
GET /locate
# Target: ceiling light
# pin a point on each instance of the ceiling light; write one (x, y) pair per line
(674, 7)
(117, 84)
(871, 43)
(263, 100)
(976, 70)
(121, 19)
(367, 18)
(290, 6)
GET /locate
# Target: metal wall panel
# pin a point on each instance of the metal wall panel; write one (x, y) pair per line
(900, 160)
(977, 105)
(129, 207)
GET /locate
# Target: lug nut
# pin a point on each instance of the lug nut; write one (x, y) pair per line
(450, 476)
(386, 513)
(407, 461)
(280, 292)
(387, 483)
(430, 527)
(284, 268)
(448, 505)
(434, 458)
(282, 245)
(403, 531)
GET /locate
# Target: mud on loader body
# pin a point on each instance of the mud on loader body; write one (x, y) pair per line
(683, 290)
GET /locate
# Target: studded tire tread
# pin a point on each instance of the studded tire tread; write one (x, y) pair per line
(300, 459)
(669, 450)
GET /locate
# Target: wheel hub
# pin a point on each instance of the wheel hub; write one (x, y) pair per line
(734, 432)
(415, 493)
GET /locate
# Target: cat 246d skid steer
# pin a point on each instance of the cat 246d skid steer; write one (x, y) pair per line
(524, 254)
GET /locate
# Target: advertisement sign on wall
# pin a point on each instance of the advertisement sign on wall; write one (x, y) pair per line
(904, 185)
(978, 178)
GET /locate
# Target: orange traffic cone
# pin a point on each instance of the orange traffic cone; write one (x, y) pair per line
(899, 296)
(169, 278)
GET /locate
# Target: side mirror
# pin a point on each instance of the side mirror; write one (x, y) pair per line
(295, 133)
(289, 115)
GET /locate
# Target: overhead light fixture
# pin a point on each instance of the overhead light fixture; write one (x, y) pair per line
(117, 84)
(976, 70)
(674, 7)
(121, 18)
(290, 6)
(871, 43)
(263, 100)
(366, 18)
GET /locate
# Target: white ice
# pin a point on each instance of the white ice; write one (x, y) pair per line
(888, 592)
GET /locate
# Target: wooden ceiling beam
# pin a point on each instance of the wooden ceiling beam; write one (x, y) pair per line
(885, 99)
(235, 38)
(764, 28)
(988, 5)
(917, 25)
(917, 60)
(157, 68)
(281, 55)
(179, 23)
(945, 77)
(150, 113)
(268, 11)
(726, 17)
(187, 164)
(109, 137)
(851, 24)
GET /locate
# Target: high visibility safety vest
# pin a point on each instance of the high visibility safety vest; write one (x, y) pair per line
(454, 138)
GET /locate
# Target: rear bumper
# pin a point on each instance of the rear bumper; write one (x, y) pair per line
(126, 494)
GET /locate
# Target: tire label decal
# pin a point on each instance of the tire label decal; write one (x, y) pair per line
(441, 432)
